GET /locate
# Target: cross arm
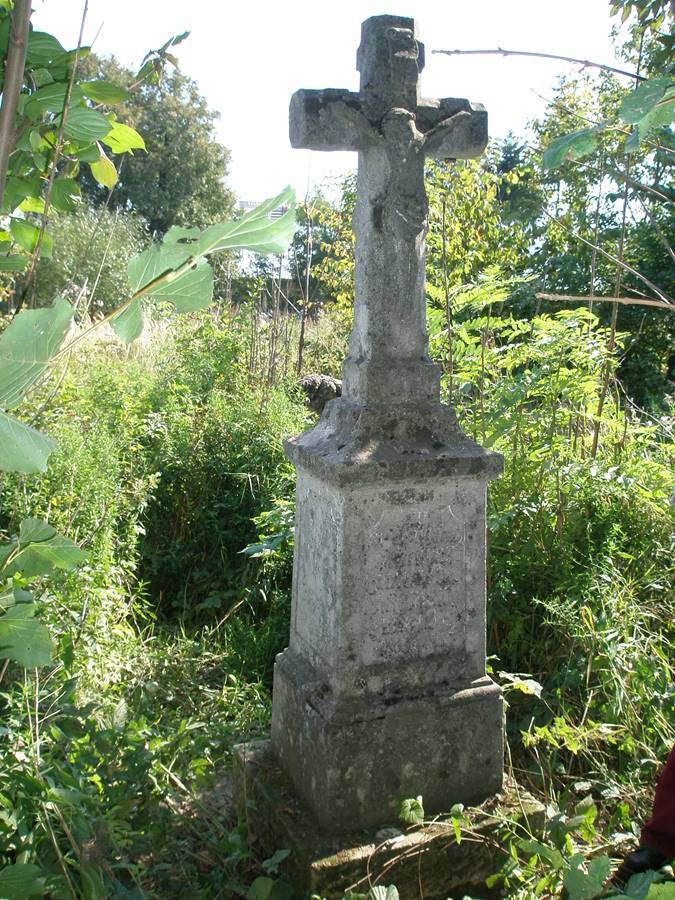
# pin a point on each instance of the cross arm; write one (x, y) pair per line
(453, 128)
(329, 119)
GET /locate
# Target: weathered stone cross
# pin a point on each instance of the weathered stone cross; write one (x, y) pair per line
(393, 129)
(382, 692)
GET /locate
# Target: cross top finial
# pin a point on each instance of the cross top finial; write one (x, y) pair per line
(390, 59)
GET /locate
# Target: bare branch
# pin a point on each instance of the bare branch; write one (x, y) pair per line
(586, 63)
(614, 259)
(627, 301)
(16, 61)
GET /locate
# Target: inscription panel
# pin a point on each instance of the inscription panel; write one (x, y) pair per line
(414, 570)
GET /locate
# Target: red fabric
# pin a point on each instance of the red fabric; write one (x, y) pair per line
(659, 831)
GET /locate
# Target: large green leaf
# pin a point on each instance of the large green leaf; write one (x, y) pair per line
(26, 347)
(192, 288)
(65, 194)
(42, 48)
(662, 114)
(584, 886)
(122, 138)
(21, 881)
(190, 291)
(51, 98)
(570, 146)
(128, 325)
(12, 262)
(40, 557)
(255, 230)
(85, 124)
(640, 102)
(35, 530)
(104, 92)
(22, 448)
(24, 640)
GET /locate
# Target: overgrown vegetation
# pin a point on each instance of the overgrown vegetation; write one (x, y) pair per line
(151, 646)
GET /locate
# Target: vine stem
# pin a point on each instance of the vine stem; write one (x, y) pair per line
(16, 62)
(499, 51)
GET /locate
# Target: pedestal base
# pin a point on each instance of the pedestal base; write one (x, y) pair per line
(353, 761)
(424, 862)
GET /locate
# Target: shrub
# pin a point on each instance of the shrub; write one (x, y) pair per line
(92, 247)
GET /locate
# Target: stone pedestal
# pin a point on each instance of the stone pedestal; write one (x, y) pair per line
(382, 692)
(424, 862)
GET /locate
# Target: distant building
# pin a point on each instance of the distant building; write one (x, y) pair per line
(248, 205)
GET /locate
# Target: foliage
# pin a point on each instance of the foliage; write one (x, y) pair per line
(113, 731)
(180, 180)
(59, 126)
(92, 248)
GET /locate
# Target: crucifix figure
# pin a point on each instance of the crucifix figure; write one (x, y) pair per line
(393, 129)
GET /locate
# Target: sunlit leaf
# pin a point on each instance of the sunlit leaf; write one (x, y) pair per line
(104, 92)
(122, 138)
(128, 325)
(24, 233)
(104, 171)
(42, 557)
(640, 102)
(569, 147)
(27, 345)
(412, 810)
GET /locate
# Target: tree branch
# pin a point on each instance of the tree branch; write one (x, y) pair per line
(628, 301)
(586, 63)
(16, 61)
(614, 259)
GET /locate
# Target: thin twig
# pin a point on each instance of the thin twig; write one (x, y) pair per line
(586, 63)
(655, 225)
(614, 259)
(595, 124)
(628, 301)
(14, 68)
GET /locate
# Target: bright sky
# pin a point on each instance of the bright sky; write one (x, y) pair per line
(249, 56)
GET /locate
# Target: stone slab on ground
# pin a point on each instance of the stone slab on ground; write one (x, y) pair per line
(422, 862)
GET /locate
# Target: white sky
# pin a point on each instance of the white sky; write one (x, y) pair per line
(249, 56)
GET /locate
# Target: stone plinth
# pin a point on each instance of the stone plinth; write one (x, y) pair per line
(424, 861)
(382, 692)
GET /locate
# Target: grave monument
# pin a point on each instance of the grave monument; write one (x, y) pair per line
(382, 692)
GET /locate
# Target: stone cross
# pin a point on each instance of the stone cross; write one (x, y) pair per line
(382, 693)
(393, 129)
